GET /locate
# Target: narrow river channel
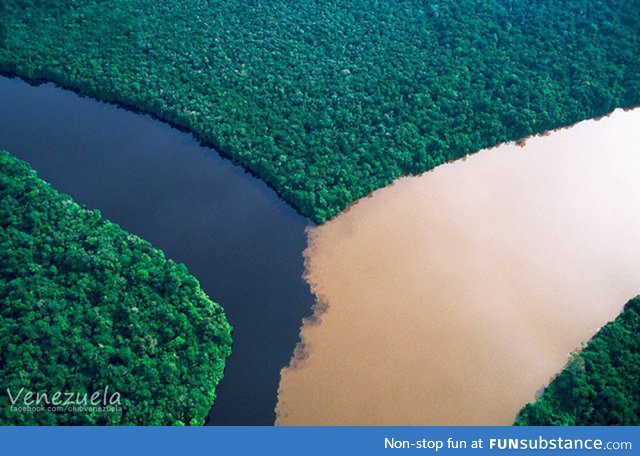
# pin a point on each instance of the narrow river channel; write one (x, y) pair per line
(233, 233)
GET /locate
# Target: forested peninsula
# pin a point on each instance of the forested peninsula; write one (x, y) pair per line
(86, 306)
(328, 101)
(600, 385)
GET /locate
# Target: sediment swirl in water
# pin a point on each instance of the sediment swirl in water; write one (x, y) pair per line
(454, 296)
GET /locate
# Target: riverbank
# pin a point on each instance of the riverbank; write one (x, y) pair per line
(330, 101)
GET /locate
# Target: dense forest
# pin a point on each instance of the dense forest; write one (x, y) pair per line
(600, 385)
(329, 100)
(86, 306)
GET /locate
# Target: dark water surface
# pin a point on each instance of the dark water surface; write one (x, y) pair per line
(234, 234)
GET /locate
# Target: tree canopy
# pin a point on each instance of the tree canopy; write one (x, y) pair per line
(329, 100)
(86, 306)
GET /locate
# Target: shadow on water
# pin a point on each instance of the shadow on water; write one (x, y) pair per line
(233, 233)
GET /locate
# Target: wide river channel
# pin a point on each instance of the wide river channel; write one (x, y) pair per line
(233, 233)
(451, 298)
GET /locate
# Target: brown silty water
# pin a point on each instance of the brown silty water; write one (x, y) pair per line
(452, 297)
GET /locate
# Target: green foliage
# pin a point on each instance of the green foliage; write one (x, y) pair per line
(84, 305)
(600, 385)
(329, 100)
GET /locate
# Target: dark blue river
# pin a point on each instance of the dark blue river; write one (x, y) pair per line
(232, 232)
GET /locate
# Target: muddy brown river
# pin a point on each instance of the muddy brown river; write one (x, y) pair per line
(453, 297)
